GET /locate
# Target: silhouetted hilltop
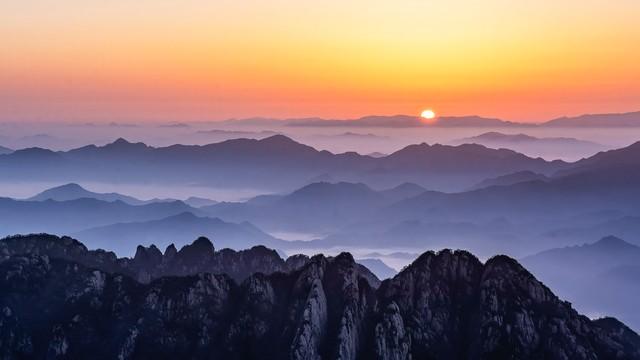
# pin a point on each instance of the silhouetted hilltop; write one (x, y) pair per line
(464, 158)
(594, 256)
(74, 191)
(623, 158)
(546, 147)
(510, 179)
(403, 191)
(309, 208)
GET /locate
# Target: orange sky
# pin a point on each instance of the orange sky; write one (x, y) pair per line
(206, 60)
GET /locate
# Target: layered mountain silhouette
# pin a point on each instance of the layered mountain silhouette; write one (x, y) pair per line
(630, 119)
(546, 147)
(444, 305)
(510, 179)
(612, 161)
(620, 225)
(273, 163)
(392, 121)
(518, 214)
(65, 217)
(177, 229)
(597, 277)
(475, 121)
(494, 138)
(4, 150)
(514, 213)
(74, 191)
(317, 207)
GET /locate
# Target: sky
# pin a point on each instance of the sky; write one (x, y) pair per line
(190, 60)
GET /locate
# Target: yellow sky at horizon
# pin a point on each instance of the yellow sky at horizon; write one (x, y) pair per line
(167, 60)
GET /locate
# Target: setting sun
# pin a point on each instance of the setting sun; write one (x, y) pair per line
(428, 114)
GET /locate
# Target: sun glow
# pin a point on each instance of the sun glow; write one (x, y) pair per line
(428, 114)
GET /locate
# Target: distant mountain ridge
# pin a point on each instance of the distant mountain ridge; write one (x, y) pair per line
(519, 213)
(494, 137)
(64, 217)
(630, 119)
(310, 207)
(176, 229)
(597, 277)
(320, 308)
(385, 121)
(73, 191)
(511, 179)
(546, 147)
(5, 150)
(274, 163)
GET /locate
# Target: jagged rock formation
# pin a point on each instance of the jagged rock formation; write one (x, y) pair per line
(150, 263)
(446, 305)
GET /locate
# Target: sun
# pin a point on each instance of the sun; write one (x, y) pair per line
(428, 114)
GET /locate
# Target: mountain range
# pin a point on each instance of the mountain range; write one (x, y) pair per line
(275, 163)
(74, 191)
(317, 207)
(177, 229)
(514, 214)
(444, 305)
(545, 147)
(64, 217)
(599, 277)
(630, 119)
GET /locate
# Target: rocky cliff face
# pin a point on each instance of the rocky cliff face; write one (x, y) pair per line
(446, 305)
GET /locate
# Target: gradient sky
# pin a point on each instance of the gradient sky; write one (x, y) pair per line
(93, 60)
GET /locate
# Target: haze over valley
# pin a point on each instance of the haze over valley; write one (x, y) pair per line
(269, 189)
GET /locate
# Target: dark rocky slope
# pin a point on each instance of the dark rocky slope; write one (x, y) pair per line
(446, 305)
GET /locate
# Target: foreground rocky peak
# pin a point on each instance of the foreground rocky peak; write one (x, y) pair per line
(446, 305)
(150, 263)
